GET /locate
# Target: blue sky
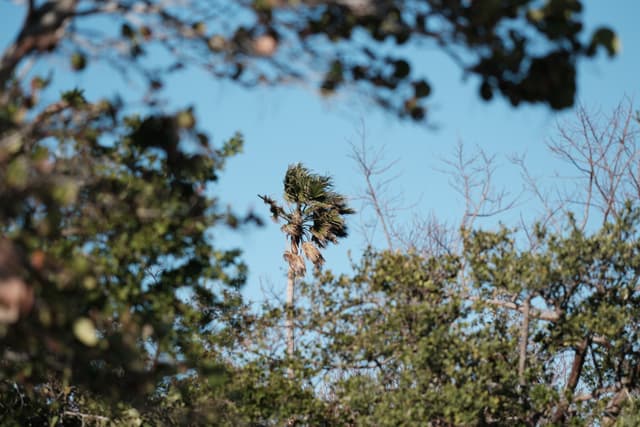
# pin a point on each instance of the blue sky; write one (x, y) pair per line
(288, 125)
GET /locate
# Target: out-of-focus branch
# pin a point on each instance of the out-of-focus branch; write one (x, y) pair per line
(41, 31)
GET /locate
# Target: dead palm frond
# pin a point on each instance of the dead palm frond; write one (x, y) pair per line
(296, 263)
(312, 253)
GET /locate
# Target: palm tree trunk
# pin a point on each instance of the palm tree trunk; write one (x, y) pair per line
(291, 278)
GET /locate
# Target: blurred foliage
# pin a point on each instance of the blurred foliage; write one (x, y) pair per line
(113, 219)
(524, 50)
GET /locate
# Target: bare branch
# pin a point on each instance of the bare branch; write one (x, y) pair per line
(472, 177)
(373, 170)
(594, 394)
(603, 150)
(89, 417)
(574, 377)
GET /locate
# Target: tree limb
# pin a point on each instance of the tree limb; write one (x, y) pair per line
(524, 340)
(548, 315)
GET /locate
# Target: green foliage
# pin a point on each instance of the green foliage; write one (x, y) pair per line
(589, 286)
(403, 349)
(112, 219)
(109, 219)
(409, 338)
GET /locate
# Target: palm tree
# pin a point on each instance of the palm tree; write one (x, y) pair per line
(313, 217)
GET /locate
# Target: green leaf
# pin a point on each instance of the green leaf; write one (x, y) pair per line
(18, 172)
(85, 331)
(606, 38)
(78, 61)
(65, 192)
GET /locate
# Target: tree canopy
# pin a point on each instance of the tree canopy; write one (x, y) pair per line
(409, 338)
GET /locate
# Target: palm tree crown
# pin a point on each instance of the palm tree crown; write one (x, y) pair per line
(315, 217)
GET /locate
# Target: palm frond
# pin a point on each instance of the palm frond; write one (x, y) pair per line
(312, 253)
(277, 212)
(296, 183)
(301, 186)
(296, 263)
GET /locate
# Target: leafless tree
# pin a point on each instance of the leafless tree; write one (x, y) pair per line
(602, 157)
(472, 176)
(377, 194)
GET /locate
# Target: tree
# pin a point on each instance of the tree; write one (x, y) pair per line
(108, 220)
(314, 219)
(584, 288)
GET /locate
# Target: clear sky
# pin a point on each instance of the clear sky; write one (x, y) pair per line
(288, 125)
